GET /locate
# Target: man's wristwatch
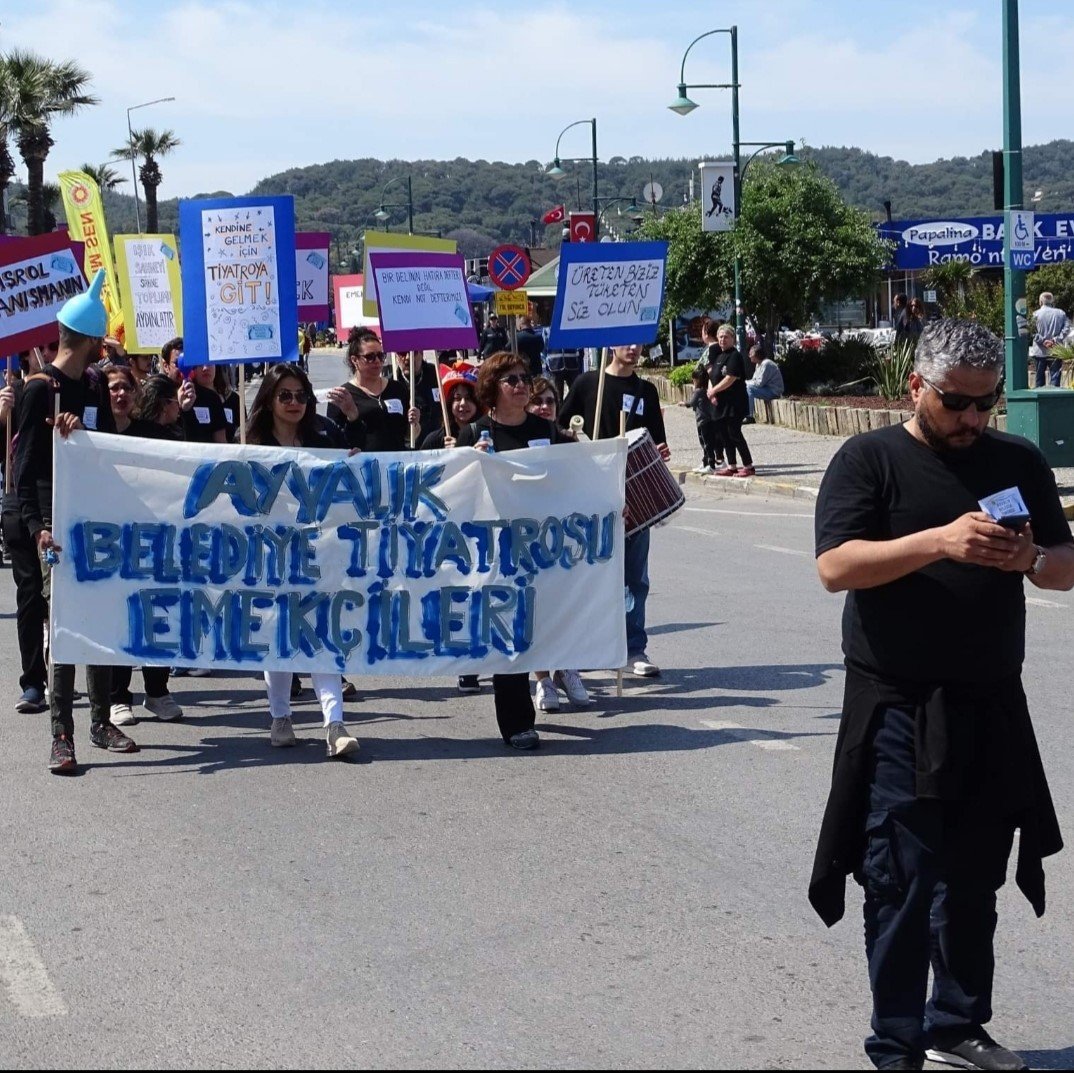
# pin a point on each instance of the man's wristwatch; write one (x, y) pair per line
(1038, 562)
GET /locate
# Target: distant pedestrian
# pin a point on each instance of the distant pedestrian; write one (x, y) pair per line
(493, 338)
(911, 321)
(936, 763)
(898, 310)
(727, 391)
(766, 382)
(705, 416)
(1051, 328)
(530, 344)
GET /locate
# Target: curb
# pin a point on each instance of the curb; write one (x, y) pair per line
(757, 486)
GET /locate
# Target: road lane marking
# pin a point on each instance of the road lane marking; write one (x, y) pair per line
(23, 974)
(1036, 601)
(695, 529)
(747, 513)
(782, 551)
(750, 737)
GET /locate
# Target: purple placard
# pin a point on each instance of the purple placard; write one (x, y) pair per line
(422, 301)
(311, 274)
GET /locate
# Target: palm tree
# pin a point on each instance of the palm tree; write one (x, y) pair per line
(7, 162)
(104, 175)
(149, 144)
(40, 90)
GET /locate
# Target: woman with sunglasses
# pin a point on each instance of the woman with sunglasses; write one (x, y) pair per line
(124, 397)
(544, 402)
(503, 389)
(284, 414)
(380, 409)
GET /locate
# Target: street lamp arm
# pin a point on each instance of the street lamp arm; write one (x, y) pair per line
(579, 123)
(762, 146)
(682, 72)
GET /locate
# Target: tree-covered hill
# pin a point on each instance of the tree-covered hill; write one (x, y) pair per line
(482, 202)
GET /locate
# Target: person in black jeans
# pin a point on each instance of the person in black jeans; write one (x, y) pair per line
(503, 389)
(82, 323)
(936, 761)
(727, 391)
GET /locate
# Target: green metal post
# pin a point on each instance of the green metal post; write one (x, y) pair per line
(596, 199)
(736, 149)
(1014, 282)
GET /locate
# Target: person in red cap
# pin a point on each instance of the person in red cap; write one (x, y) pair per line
(459, 385)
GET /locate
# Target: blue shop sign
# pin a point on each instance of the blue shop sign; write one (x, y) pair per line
(977, 240)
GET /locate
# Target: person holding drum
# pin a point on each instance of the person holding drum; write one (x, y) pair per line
(503, 389)
(624, 393)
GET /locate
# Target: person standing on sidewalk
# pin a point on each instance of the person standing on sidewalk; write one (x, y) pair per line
(936, 762)
(727, 391)
(1052, 326)
(82, 325)
(624, 392)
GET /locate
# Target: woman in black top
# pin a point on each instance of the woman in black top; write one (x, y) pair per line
(380, 408)
(123, 395)
(284, 414)
(503, 388)
(727, 390)
(230, 399)
(160, 407)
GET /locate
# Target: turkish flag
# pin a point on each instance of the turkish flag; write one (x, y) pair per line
(554, 216)
(583, 226)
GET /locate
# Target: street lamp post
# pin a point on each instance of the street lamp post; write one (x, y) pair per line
(382, 212)
(556, 171)
(130, 142)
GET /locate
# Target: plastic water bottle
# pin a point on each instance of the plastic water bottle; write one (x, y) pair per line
(486, 439)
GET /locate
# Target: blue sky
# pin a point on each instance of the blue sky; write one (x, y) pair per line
(261, 85)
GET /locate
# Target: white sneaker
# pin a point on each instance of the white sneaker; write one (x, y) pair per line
(641, 666)
(547, 697)
(340, 743)
(198, 672)
(282, 734)
(123, 715)
(165, 708)
(701, 469)
(571, 684)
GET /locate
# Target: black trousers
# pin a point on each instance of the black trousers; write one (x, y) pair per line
(31, 609)
(930, 873)
(514, 705)
(155, 680)
(62, 696)
(729, 430)
(709, 438)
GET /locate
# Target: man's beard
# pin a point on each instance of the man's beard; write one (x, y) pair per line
(938, 441)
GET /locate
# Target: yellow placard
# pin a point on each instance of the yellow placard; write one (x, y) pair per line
(390, 242)
(511, 303)
(150, 291)
(85, 224)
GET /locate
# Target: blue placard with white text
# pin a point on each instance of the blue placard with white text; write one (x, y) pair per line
(608, 294)
(240, 294)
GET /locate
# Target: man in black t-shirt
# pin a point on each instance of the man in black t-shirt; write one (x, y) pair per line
(624, 392)
(936, 761)
(493, 338)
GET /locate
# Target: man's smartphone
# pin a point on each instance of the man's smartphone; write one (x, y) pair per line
(1017, 522)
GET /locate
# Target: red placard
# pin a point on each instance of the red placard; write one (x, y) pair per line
(37, 275)
(583, 227)
(348, 291)
(509, 267)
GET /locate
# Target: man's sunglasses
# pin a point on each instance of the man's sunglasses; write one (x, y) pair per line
(960, 403)
(286, 397)
(514, 379)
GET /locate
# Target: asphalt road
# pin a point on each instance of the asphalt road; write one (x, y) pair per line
(631, 895)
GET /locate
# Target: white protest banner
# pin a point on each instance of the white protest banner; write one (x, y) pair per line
(37, 275)
(240, 299)
(717, 196)
(261, 558)
(608, 294)
(150, 291)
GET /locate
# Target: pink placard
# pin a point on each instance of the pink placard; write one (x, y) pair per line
(311, 274)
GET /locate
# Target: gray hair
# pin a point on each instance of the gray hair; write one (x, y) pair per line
(1047, 298)
(946, 343)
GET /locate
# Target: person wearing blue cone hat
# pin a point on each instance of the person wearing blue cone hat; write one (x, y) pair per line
(72, 376)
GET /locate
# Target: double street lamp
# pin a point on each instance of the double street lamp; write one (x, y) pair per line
(682, 105)
(382, 213)
(556, 170)
(130, 142)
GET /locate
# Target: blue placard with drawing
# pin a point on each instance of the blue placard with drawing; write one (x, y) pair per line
(240, 294)
(608, 294)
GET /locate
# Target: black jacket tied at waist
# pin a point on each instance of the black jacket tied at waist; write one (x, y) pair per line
(973, 744)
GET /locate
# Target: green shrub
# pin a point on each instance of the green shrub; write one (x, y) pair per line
(891, 371)
(680, 375)
(840, 362)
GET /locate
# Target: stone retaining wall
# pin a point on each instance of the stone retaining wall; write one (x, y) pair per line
(827, 420)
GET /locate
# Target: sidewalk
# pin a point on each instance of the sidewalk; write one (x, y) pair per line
(789, 463)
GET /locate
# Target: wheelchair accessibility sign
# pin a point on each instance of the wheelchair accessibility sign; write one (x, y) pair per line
(1021, 239)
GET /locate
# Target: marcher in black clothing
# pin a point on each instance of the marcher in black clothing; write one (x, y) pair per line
(79, 396)
(493, 338)
(229, 399)
(530, 344)
(503, 389)
(426, 390)
(726, 370)
(205, 421)
(375, 412)
(936, 761)
(460, 390)
(624, 393)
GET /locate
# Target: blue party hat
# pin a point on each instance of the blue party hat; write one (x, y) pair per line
(85, 313)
